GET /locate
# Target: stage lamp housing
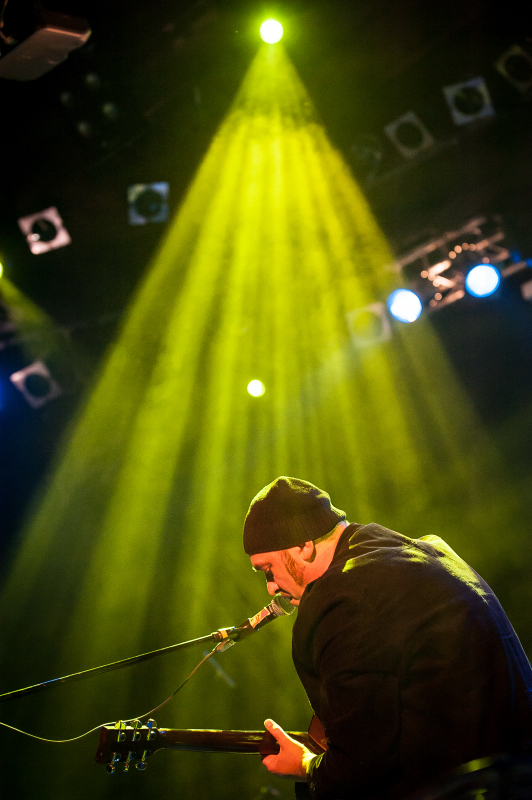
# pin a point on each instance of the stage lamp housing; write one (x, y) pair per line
(483, 280)
(404, 305)
(44, 231)
(515, 65)
(368, 325)
(36, 384)
(469, 101)
(409, 135)
(271, 31)
(55, 36)
(148, 202)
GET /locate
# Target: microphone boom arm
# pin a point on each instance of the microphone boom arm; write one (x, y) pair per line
(229, 636)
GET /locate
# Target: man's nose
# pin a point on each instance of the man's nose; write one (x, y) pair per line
(272, 588)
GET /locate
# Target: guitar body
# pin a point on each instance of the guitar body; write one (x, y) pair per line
(133, 744)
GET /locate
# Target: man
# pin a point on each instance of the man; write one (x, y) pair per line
(405, 653)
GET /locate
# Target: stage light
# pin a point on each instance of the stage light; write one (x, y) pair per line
(44, 231)
(36, 384)
(404, 305)
(1, 269)
(369, 325)
(271, 31)
(52, 37)
(469, 101)
(256, 388)
(409, 135)
(516, 66)
(482, 280)
(148, 202)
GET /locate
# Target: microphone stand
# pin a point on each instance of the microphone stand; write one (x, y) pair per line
(225, 636)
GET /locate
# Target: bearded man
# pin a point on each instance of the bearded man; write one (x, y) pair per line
(405, 653)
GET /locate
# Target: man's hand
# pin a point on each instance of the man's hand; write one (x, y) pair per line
(292, 759)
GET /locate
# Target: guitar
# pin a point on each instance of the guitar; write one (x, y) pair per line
(135, 743)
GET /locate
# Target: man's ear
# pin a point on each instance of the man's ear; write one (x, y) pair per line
(308, 551)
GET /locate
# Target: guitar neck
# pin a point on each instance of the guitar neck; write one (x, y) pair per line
(213, 741)
(135, 743)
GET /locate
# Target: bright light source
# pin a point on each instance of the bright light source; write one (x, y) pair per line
(256, 388)
(404, 305)
(1, 270)
(482, 280)
(271, 31)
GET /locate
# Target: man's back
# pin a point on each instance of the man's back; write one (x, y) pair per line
(411, 664)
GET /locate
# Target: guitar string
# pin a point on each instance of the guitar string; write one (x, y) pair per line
(112, 722)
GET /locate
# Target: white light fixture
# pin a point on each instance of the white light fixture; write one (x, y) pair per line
(404, 305)
(44, 231)
(256, 388)
(368, 325)
(469, 101)
(409, 135)
(483, 280)
(148, 202)
(271, 31)
(515, 65)
(36, 384)
(55, 36)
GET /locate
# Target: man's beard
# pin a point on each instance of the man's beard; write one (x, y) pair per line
(292, 569)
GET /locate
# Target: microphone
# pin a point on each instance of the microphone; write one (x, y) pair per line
(279, 607)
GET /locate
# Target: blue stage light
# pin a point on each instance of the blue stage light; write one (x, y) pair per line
(404, 305)
(482, 280)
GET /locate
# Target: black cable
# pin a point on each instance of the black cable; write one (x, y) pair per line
(220, 645)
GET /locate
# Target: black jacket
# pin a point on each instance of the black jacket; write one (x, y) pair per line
(410, 663)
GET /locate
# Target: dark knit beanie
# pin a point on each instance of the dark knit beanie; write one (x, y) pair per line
(286, 513)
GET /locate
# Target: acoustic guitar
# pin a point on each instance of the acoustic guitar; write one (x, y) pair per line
(134, 743)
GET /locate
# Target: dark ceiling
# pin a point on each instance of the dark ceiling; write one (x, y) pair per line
(171, 69)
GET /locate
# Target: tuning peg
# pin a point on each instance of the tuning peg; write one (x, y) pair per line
(129, 758)
(142, 765)
(152, 725)
(121, 727)
(136, 724)
(110, 767)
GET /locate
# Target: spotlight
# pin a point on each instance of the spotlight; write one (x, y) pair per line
(516, 66)
(148, 202)
(482, 280)
(36, 384)
(44, 231)
(409, 135)
(369, 325)
(469, 101)
(256, 388)
(404, 305)
(271, 31)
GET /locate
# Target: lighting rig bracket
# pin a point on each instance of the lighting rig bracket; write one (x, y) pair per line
(436, 270)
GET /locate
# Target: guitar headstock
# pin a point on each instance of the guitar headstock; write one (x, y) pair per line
(128, 744)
